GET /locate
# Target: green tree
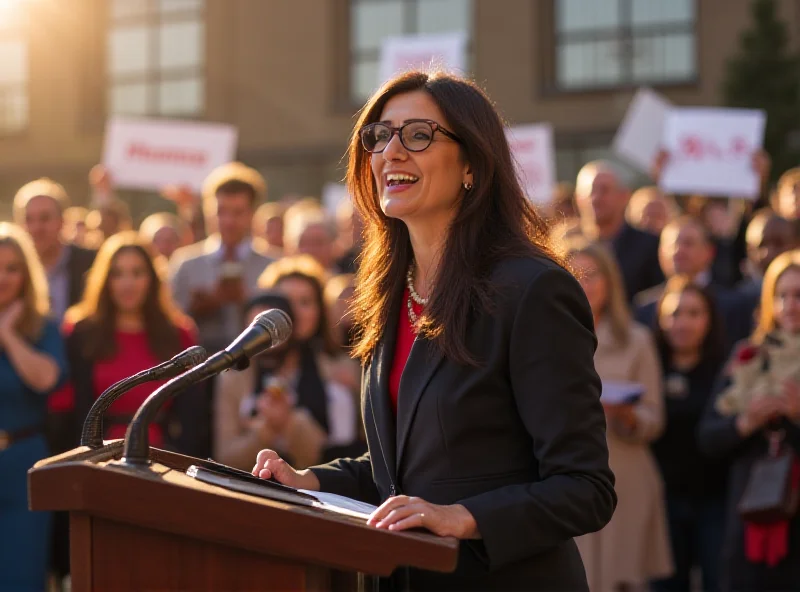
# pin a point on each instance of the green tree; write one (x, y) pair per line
(764, 75)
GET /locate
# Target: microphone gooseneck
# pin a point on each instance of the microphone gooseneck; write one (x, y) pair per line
(268, 329)
(92, 432)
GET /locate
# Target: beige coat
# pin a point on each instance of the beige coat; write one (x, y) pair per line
(237, 443)
(634, 547)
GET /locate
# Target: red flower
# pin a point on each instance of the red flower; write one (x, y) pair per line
(746, 353)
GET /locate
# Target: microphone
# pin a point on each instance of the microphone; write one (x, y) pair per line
(269, 329)
(92, 432)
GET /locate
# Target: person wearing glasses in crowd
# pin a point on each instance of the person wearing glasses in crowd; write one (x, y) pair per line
(480, 399)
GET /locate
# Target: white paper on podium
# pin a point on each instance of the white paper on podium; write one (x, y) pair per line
(341, 504)
(621, 392)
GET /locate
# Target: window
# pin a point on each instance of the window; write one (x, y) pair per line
(155, 57)
(13, 71)
(608, 43)
(371, 21)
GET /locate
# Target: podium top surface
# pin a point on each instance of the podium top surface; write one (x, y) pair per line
(162, 497)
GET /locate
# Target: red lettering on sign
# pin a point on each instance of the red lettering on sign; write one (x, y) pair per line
(696, 148)
(166, 155)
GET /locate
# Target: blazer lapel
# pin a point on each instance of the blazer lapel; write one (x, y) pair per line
(378, 394)
(422, 362)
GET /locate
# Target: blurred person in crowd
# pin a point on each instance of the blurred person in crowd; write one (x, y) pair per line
(457, 274)
(755, 416)
(726, 222)
(189, 208)
(302, 280)
(339, 301)
(32, 363)
(311, 232)
(39, 208)
(165, 232)
(687, 249)
(278, 402)
(786, 200)
(109, 218)
(768, 235)
(602, 200)
(351, 237)
(125, 323)
(633, 548)
(74, 231)
(650, 210)
(211, 280)
(268, 226)
(101, 184)
(691, 343)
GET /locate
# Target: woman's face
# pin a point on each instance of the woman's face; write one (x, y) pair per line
(129, 281)
(594, 284)
(12, 275)
(303, 298)
(685, 320)
(435, 176)
(787, 301)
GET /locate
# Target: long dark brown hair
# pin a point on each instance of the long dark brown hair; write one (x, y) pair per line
(96, 312)
(712, 350)
(494, 221)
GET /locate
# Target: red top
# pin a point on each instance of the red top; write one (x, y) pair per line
(133, 355)
(402, 347)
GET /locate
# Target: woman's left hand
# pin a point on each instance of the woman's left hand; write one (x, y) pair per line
(402, 512)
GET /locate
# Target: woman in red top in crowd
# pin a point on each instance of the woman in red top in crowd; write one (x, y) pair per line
(126, 322)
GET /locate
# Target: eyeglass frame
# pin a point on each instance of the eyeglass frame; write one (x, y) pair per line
(435, 127)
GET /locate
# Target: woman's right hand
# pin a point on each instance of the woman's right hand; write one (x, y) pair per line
(269, 465)
(760, 410)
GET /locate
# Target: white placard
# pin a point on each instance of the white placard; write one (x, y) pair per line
(447, 52)
(639, 136)
(532, 149)
(621, 392)
(150, 154)
(333, 194)
(711, 151)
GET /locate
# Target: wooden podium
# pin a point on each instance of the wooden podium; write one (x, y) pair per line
(156, 528)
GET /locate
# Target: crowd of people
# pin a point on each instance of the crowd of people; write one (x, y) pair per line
(695, 300)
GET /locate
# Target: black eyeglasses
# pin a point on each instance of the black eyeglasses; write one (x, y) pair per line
(415, 135)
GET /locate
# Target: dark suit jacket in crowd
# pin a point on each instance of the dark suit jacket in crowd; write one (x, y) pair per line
(519, 441)
(78, 264)
(735, 310)
(637, 256)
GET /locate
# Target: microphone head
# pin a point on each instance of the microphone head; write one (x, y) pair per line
(276, 323)
(191, 357)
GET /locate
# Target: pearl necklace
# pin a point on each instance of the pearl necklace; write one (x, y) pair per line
(413, 297)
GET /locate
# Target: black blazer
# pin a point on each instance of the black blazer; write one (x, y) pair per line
(519, 441)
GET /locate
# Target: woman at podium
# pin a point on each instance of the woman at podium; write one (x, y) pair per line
(480, 399)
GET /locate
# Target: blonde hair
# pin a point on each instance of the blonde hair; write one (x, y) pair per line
(229, 173)
(616, 308)
(35, 293)
(155, 222)
(790, 260)
(40, 187)
(294, 226)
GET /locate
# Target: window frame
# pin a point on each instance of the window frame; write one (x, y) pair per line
(626, 33)
(410, 21)
(16, 32)
(154, 76)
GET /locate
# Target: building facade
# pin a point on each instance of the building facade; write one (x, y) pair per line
(293, 74)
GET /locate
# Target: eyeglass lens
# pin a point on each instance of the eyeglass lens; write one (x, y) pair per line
(415, 136)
